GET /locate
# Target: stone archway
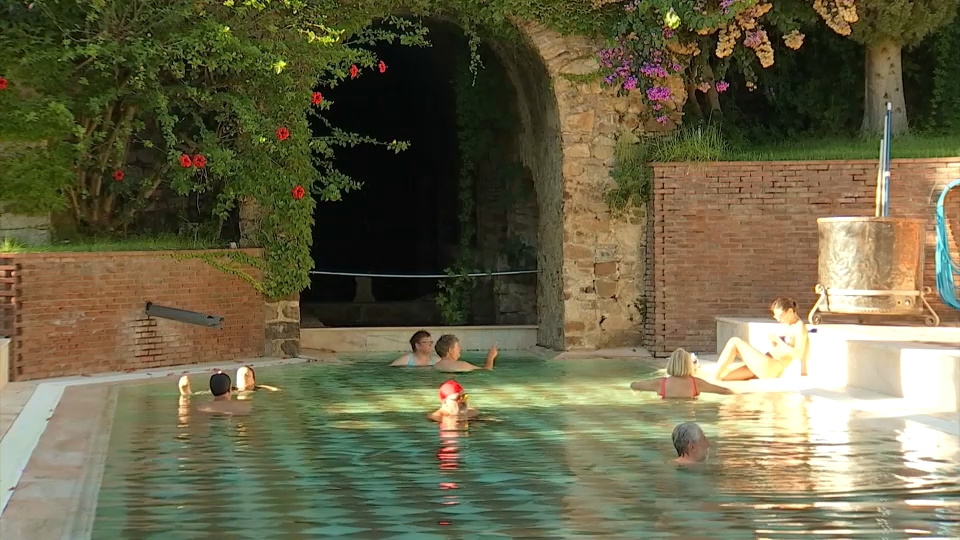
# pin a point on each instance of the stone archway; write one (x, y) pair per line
(591, 289)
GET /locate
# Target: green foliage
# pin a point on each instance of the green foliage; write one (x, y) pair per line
(904, 22)
(131, 243)
(483, 133)
(633, 174)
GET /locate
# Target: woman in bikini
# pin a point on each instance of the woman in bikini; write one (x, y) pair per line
(680, 381)
(422, 356)
(785, 349)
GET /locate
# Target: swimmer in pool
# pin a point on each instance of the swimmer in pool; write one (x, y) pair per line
(680, 381)
(247, 381)
(453, 404)
(448, 348)
(222, 404)
(422, 356)
(691, 444)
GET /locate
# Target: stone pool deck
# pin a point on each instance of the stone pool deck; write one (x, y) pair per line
(54, 434)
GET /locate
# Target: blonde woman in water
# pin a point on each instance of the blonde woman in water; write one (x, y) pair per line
(680, 381)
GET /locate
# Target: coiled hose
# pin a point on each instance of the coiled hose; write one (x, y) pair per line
(946, 268)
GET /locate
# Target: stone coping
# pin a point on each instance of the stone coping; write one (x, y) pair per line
(94, 254)
(803, 163)
(427, 327)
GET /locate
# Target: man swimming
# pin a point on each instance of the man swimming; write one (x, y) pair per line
(453, 404)
(691, 444)
(220, 385)
(448, 348)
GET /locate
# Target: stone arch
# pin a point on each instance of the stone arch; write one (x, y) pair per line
(591, 288)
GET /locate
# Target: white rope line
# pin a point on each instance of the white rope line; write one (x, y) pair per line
(424, 276)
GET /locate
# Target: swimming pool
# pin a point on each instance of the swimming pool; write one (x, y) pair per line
(345, 452)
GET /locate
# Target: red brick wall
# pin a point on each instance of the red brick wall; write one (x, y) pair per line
(729, 237)
(82, 313)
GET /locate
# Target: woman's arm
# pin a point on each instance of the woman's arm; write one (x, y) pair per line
(649, 385)
(267, 387)
(709, 387)
(400, 362)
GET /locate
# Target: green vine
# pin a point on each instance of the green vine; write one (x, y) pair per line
(234, 263)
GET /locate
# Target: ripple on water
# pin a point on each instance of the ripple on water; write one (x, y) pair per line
(345, 451)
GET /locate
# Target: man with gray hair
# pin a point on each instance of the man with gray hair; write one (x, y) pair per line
(691, 443)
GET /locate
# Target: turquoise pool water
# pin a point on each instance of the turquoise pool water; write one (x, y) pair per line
(345, 452)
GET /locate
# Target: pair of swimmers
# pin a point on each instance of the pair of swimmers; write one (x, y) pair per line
(222, 389)
(447, 358)
(682, 366)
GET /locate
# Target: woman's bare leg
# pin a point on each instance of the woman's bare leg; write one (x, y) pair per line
(741, 373)
(761, 365)
(727, 356)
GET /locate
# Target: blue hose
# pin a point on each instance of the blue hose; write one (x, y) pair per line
(946, 268)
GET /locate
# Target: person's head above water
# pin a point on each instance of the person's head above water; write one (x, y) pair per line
(784, 310)
(451, 390)
(421, 341)
(690, 442)
(246, 378)
(448, 346)
(682, 364)
(219, 384)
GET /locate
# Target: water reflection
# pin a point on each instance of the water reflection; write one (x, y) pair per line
(576, 454)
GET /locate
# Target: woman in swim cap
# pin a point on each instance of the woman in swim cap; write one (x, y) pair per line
(453, 403)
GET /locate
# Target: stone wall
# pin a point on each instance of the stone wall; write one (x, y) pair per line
(83, 313)
(594, 260)
(730, 237)
(29, 230)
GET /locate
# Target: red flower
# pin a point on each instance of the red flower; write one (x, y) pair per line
(283, 133)
(118, 175)
(199, 161)
(3, 83)
(298, 192)
(185, 161)
(382, 66)
(354, 71)
(317, 98)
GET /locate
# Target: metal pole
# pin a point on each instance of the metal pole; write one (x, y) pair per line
(184, 316)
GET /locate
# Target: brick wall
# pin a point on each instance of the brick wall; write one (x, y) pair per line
(731, 236)
(83, 313)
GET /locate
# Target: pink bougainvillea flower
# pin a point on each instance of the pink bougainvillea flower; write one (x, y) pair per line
(382, 67)
(317, 98)
(3, 83)
(199, 161)
(185, 161)
(298, 192)
(283, 133)
(118, 175)
(721, 86)
(354, 71)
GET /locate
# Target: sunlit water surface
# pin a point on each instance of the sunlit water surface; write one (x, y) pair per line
(570, 452)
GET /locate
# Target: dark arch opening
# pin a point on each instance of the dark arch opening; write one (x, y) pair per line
(406, 217)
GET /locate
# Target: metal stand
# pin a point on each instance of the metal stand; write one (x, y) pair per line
(932, 319)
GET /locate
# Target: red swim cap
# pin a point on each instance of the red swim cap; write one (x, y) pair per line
(450, 388)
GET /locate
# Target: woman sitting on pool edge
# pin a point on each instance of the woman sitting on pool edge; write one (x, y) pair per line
(680, 381)
(422, 356)
(786, 349)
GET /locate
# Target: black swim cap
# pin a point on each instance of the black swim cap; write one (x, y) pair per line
(219, 384)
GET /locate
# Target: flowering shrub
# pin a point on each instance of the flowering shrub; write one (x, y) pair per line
(183, 94)
(695, 40)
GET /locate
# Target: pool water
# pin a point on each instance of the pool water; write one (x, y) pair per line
(570, 452)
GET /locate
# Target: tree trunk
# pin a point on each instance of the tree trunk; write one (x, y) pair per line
(884, 83)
